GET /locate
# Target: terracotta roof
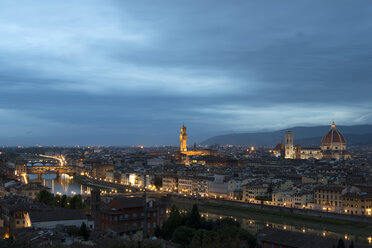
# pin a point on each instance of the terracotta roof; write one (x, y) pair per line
(362, 195)
(57, 215)
(330, 187)
(124, 228)
(126, 202)
(333, 136)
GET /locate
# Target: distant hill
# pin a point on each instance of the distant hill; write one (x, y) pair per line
(308, 136)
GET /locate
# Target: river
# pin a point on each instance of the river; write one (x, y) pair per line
(64, 185)
(250, 221)
(253, 222)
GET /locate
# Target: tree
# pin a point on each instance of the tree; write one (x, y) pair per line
(351, 244)
(204, 239)
(194, 219)
(63, 203)
(45, 197)
(84, 231)
(157, 181)
(340, 243)
(183, 235)
(76, 202)
(174, 220)
(158, 232)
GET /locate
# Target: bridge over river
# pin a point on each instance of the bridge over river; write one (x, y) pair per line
(48, 165)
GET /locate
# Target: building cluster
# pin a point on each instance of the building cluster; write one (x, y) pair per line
(119, 218)
(333, 146)
(291, 176)
(107, 217)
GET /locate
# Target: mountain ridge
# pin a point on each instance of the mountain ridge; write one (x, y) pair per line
(354, 135)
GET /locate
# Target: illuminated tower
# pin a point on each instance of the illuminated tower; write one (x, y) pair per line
(289, 149)
(183, 139)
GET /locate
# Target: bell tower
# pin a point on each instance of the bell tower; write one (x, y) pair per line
(183, 139)
(289, 149)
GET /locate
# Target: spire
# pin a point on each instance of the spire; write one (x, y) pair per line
(333, 125)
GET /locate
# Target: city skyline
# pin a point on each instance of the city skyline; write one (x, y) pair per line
(91, 72)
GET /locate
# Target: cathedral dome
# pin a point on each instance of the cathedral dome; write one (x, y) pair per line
(333, 140)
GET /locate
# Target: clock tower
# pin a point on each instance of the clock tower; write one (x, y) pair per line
(183, 139)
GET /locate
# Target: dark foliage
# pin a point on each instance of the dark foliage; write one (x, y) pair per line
(84, 231)
(75, 202)
(340, 243)
(194, 219)
(190, 230)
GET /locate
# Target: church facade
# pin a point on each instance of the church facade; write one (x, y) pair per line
(333, 146)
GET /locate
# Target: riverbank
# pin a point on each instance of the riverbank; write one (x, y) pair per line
(256, 219)
(299, 214)
(83, 181)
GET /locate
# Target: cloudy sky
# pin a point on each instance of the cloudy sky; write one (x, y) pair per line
(131, 72)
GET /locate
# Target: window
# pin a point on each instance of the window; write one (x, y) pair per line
(126, 216)
(134, 215)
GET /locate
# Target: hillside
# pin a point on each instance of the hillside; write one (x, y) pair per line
(354, 135)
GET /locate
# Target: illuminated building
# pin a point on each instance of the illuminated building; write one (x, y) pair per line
(333, 146)
(183, 139)
(183, 146)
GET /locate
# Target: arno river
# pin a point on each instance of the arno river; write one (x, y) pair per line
(256, 221)
(250, 221)
(63, 185)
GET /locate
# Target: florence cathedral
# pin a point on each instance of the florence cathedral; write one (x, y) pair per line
(333, 146)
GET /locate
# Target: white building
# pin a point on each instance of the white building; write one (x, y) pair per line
(169, 183)
(218, 188)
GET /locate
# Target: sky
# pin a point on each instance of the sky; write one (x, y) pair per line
(131, 72)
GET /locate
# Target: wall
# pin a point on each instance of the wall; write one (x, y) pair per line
(53, 224)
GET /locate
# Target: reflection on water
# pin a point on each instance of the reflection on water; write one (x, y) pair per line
(64, 185)
(256, 222)
(253, 225)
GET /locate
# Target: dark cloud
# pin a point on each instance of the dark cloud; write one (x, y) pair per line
(122, 73)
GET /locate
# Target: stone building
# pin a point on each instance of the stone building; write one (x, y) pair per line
(130, 212)
(333, 146)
